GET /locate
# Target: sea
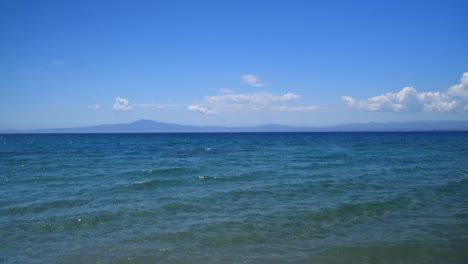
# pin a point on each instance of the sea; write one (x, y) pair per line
(234, 198)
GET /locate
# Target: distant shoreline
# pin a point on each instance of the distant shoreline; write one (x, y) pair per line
(149, 126)
(262, 132)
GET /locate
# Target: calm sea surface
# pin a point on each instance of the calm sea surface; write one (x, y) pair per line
(234, 198)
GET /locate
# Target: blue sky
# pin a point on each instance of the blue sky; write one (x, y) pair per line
(232, 63)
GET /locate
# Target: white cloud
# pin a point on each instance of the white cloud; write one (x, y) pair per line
(201, 109)
(351, 102)
(240, 102)
(460, 89)
(410, 100)
(253, 80)
(285, 108)
(288, 97)
(94, 107)
(121, 104)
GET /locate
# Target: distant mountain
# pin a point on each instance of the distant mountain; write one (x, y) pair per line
(406, 126)
(149, 126)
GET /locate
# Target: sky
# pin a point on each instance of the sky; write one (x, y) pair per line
(231, 63)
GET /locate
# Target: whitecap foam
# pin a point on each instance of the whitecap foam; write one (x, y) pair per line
(141, 182)
(206, 177)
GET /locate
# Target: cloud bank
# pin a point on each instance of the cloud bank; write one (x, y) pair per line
(410, 100)
(285, 108)
(240, 102)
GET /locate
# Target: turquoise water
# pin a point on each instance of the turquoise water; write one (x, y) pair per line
(234, 198)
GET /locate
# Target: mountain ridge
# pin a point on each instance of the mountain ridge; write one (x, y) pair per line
(150, 126)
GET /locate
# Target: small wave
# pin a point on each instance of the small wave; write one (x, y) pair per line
(155, 183)
(41, 207)
(456, 183)
(169, 171)
(183, 207)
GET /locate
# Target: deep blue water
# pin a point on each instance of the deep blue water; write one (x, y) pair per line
(234, 198)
